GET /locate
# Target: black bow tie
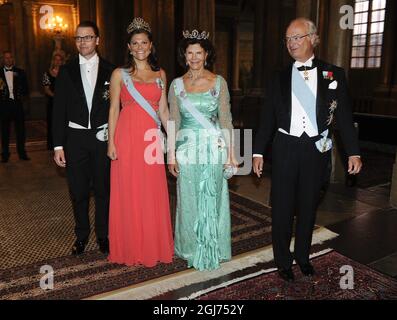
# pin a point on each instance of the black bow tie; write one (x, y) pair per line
(8, 70)
(306, 68)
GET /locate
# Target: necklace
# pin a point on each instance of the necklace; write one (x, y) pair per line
(192, 78)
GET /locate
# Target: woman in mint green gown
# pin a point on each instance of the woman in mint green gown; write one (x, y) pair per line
(203, 227)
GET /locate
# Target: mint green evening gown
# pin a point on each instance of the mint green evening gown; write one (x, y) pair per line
(202, 227)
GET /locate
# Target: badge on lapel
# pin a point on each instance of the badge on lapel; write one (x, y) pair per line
(106, 93)
(328, 75)
(160, 83)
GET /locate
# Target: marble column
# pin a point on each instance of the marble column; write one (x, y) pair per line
(20, 37)
(389, 60)
(259, 48)
(31, 10)
(393, 193)
(392, 8)
(236, 57)
(338, 42)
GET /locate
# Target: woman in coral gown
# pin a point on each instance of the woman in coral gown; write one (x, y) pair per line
(139, 220)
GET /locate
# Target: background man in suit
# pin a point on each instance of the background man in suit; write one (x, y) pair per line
(302, 102)
(80, 116)
(13, 89)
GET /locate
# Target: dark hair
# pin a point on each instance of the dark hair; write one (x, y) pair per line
(204, 43)
(89, 24)
(152, 58)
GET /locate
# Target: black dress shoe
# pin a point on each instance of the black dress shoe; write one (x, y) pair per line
(307, 270)
(78, 248)
(286, 274)
(103, 245)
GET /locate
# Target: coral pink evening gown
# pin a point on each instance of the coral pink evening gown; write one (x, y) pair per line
(140, 229)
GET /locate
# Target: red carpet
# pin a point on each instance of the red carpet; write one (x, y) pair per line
(368, 284)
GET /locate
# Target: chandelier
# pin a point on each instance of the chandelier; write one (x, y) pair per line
(3, 2)
(56, 25)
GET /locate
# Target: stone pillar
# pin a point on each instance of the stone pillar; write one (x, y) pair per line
(199, 14)
(31, 10)
(389, 61)
(20, 37)
(393, 193)
(391, 25)
(236, 92)
(338, 42)
(236, 57)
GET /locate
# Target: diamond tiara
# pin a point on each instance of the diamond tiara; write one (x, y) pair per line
(138, 24)
(196, 35)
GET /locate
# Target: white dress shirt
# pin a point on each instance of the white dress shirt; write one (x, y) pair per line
(300, 122)
(10, 82)
(89, 69)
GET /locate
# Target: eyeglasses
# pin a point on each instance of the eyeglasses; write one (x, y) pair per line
(84, 39)
(295, 38)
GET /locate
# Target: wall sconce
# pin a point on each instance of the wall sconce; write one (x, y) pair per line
(3, 2)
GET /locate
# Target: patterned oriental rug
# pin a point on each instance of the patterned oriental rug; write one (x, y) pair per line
(91, 274)
(325, 285)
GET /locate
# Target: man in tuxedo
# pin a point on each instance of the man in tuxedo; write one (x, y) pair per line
(80, 117)
(301, 104)
(13, 90)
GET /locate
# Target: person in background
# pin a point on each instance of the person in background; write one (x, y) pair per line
(48, 82)
(13, 90)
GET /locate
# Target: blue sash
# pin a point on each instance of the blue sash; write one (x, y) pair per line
(139, 98)
(205, 123)
(144, 105)
(305, 96)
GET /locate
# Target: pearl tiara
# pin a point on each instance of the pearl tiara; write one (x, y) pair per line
(196, 35)
(138, 24)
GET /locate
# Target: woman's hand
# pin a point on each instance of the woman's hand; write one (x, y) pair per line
(232, 162)
(174, 169)
(112, 154)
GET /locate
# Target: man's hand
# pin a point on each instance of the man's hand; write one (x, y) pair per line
(60, 159)
(355, 165)
(258, 166)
